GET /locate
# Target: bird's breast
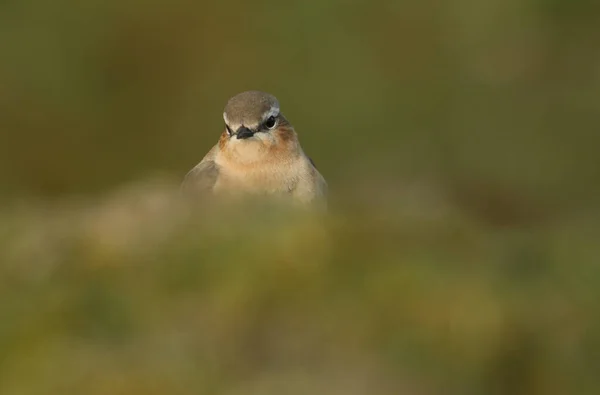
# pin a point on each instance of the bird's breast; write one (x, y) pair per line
(264, 178)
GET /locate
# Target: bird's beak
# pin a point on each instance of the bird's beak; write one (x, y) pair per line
(244, 133)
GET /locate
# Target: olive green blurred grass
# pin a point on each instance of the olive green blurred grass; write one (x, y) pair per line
(138, 292)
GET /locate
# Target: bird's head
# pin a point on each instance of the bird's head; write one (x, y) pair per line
(253, 123)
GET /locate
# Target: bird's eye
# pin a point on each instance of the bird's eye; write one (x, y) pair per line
(228, 129)
(270, 122)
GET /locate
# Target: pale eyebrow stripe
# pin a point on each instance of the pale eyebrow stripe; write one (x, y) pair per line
(273, 111)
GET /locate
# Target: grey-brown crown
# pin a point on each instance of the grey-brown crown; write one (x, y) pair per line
(250, 108)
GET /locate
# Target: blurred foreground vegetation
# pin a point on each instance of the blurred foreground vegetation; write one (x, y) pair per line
(460, 142)
(140, 293)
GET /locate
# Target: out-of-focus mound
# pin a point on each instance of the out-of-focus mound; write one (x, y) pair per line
(142, 291)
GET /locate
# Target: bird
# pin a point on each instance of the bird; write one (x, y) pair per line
(258, 153)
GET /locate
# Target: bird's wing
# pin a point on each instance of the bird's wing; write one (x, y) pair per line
(321, 184)
(203, 176)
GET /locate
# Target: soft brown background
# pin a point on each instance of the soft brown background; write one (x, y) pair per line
(497, 92)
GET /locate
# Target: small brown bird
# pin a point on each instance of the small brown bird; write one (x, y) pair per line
(258, 153)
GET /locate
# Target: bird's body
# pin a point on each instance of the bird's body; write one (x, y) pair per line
(257, 153)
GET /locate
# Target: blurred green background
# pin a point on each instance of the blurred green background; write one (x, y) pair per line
(460, 142)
